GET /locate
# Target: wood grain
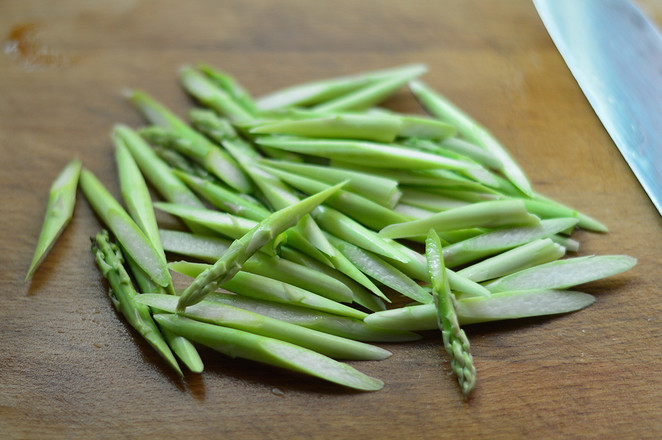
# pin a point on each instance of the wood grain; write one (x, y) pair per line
(70, 368)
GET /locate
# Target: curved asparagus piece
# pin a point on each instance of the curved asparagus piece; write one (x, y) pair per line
(129, 235)
(210, 249)
(380, 270)
(499, 306)
(231, 86)
(371, 214)
(237, 343)
(122, 293)
(372, 154)
(471, 131)
(241, 249)
(378, 189)
(455, 340)
(139, 205)
(488, 214)
(327, 89)
(502, 239)
(343, 326)
(229, 316)
(60, 209)
(515, 260)
(257, 286)
(224, 166)
(563, 274)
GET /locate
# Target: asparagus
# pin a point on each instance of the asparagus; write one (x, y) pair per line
(229, 316)
(378, 155)
(231, 86)
(59, 211)
(122, 293)
(497, 307)
(237, 343)
(471, 131)
(139, 205)
(261, 287)
(129, 235)
(455, 340)
(241, 249)
(218, 161)
(346, 327)
(563, 274)
(482, 215)
(210, 249)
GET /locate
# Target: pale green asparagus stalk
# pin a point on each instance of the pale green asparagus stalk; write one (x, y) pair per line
(229, 316)
(128, 234)
(238, 343)
(59, 211)
(243, 248)
(139, 205)
(497, 307)
(218, 161)
(122, 293)
(471, 131)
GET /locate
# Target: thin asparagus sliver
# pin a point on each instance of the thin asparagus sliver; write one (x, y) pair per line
(242, 248)
(59, 211)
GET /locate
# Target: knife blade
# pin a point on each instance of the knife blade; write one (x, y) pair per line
(615, 53)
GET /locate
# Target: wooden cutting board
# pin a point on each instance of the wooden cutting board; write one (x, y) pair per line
(70, 368)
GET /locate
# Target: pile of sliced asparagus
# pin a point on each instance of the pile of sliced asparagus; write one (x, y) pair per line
(317, 224)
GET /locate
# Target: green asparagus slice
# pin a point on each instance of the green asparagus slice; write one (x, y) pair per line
(223, 164)
(471, 131)
(210, 95)
(261, 287)
(378, 189)
(122, 293)
(343, 326)
(472, 151)
(59, 211)
(563, 274)
(237, 343)
(361, 209)
(231, 86)
(488, 214)
(382, 271)
(182, 347)
(514, 260)
(129, 235)
(372, 154)
(210, 249)
(229, 316)
(327, 89)
(499, 306)
(242, 248)
(585, 221)
(501, 239)
(139, 205)
(455, 340)
(378, 128)
(368, 95)
(224, 199)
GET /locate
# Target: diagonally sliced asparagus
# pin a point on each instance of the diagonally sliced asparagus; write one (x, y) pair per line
(237, 318)
(242, 248)
(257, 286)
(237, 343)
(346, 327)
(563, 274)
(122, 293)
(497, 307)
(455, 340)
(129, 235)
(471, 131)
(59, 211)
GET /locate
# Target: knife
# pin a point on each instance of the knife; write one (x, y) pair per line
(615, 54)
